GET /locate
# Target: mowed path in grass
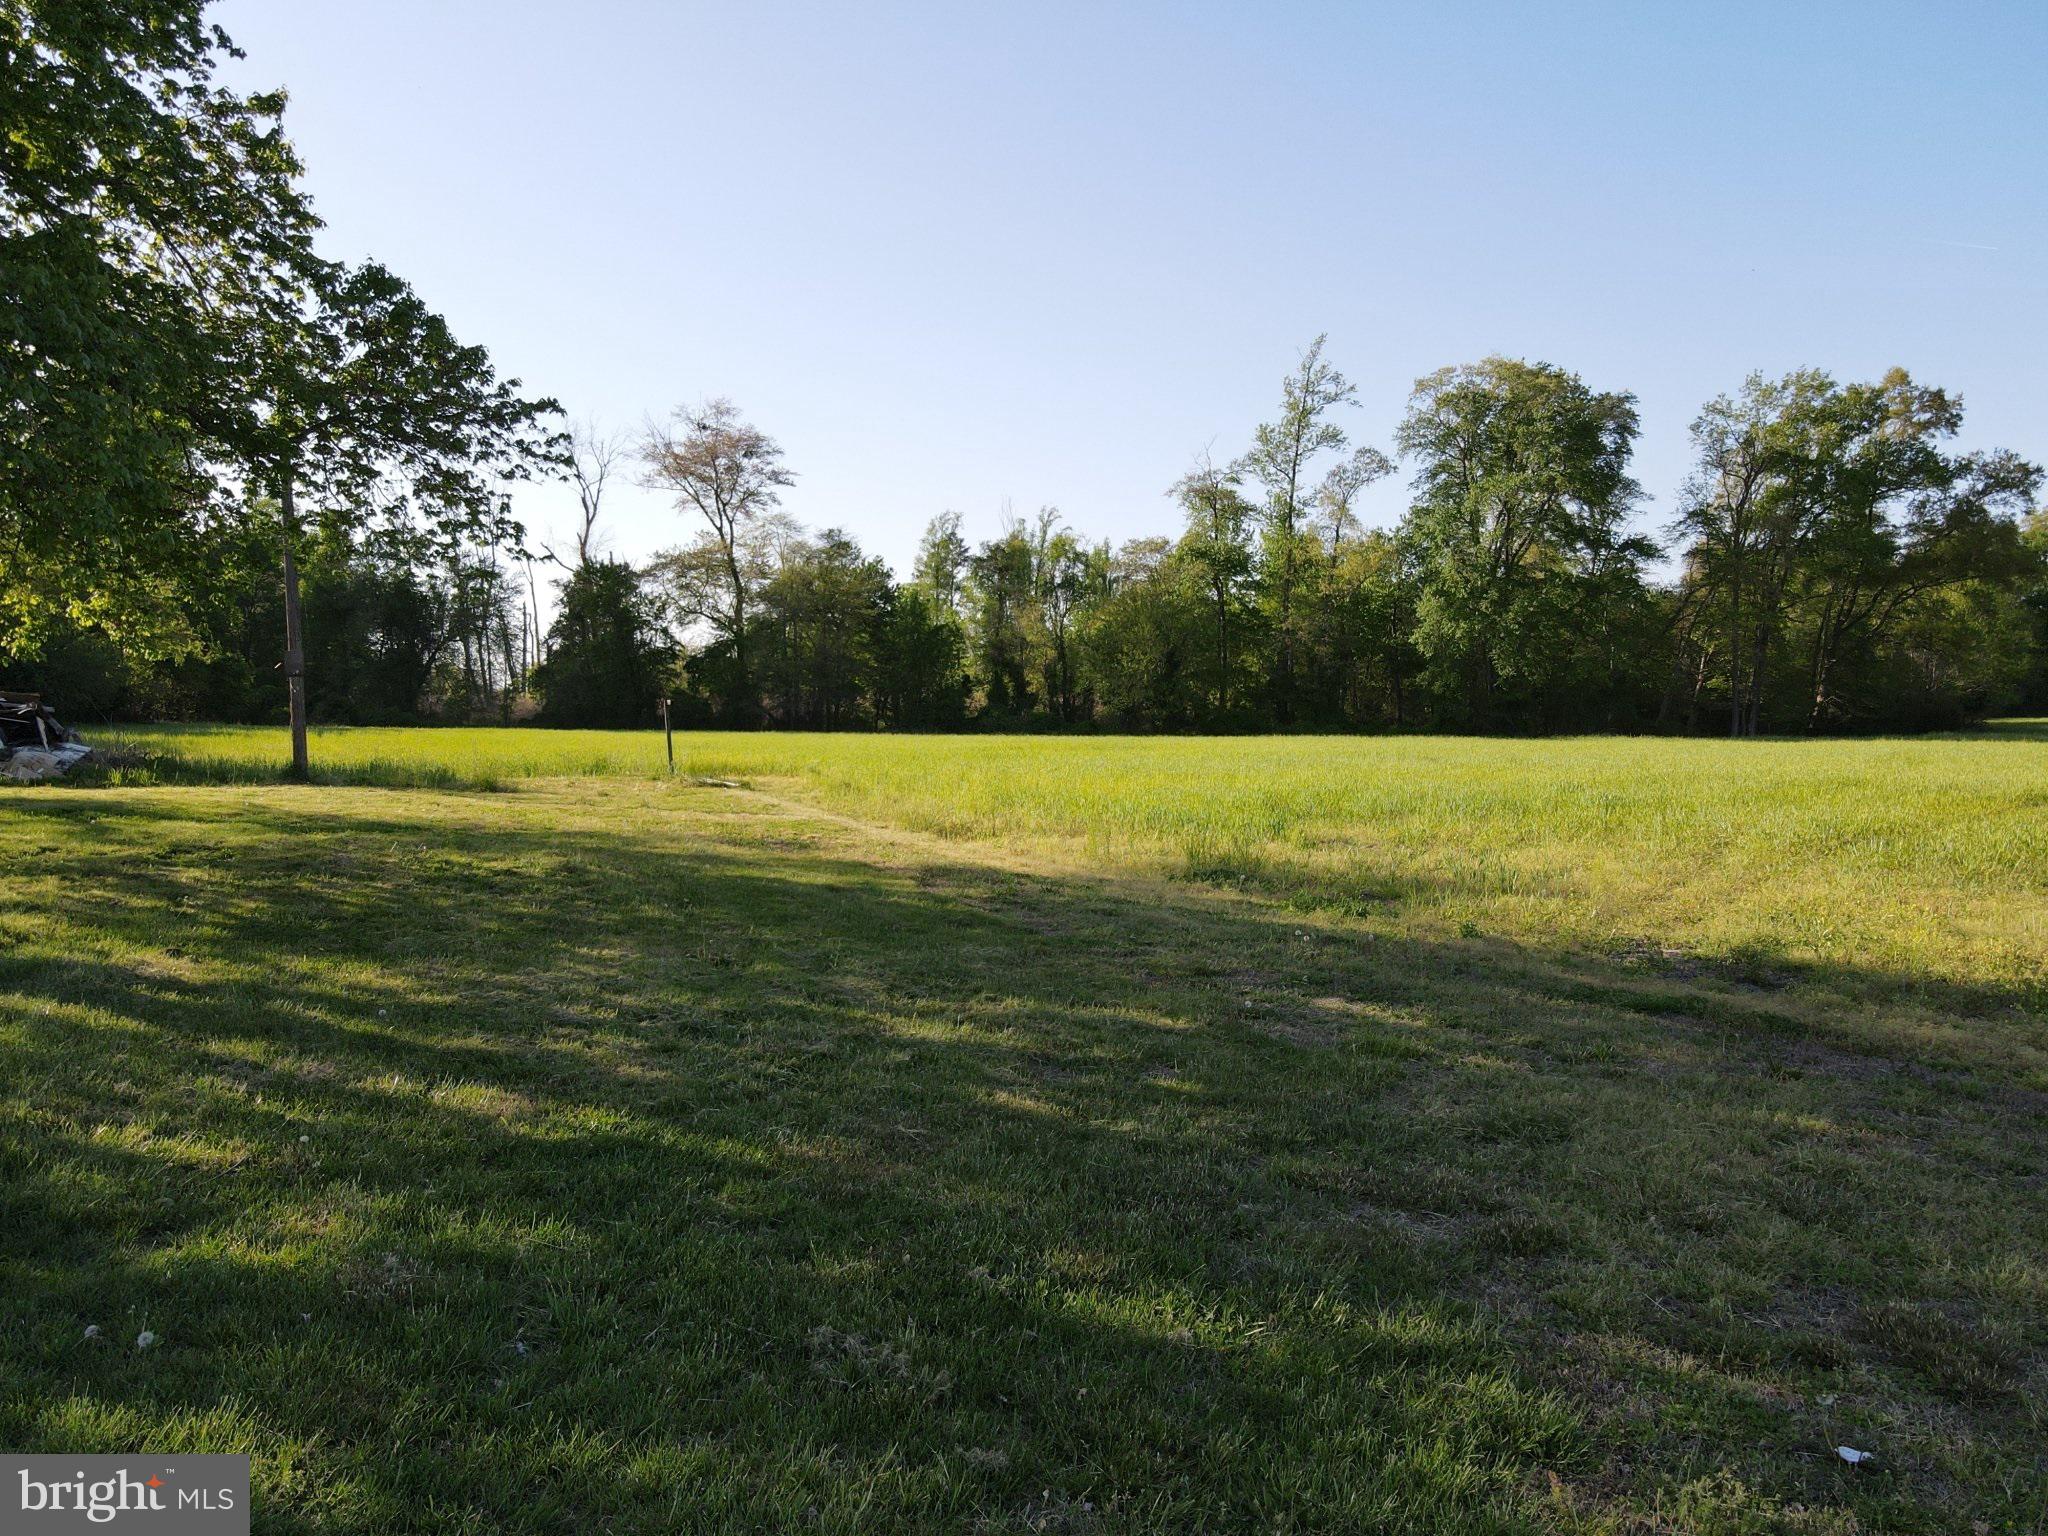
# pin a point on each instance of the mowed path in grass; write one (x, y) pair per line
(616, 1153)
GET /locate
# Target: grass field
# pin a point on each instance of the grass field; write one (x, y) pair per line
(1038, 1134)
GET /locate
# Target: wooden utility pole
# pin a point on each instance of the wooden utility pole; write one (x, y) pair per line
(668, 731)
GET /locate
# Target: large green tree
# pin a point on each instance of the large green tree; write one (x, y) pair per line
(1525, 571)
(1004, 619)
(609, 653)
(148, 219)
(1744, 528)
(1823, 518)
(920, 676)
(820, 632)
(1216, 549)
(176, 355)
(368, 407)
(728, 476)
(1283, 458)
(1145, 640)
(1068, 576)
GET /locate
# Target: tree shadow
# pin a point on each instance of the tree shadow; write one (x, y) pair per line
(127, 765)
(1999, 730)
(650, 1159)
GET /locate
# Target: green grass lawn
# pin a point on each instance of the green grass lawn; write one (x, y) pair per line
(1038, 1134)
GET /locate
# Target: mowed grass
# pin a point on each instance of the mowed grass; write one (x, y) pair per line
(1024, 1134)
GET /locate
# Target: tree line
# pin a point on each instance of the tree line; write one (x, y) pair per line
(1841, 567)
(238, 481)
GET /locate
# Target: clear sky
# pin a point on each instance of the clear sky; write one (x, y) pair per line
(956, 254)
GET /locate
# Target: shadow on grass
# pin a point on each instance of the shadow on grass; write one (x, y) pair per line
(2000, 730)
(123, 766)
(661, 1164)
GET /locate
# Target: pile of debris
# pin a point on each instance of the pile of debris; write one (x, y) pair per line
(34, 744)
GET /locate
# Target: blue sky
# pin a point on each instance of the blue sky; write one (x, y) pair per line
(957, 254)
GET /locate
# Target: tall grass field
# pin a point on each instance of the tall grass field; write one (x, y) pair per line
(1037, 1134)
(1895, 858)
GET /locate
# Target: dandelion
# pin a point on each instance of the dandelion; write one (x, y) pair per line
(144, 1339)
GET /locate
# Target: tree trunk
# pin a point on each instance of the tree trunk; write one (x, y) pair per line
(1735, 654)
(749, 700)
(1283, 701)
(1759, 655)
(1825, 640)
(1222, 648)
(294, 633)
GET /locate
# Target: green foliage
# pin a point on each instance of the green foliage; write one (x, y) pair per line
(1957, 652)
(1360, 636)
(920, 676)
(942, 557)
(1005, 621)
(726, 476)
(2033, 600)
(609, 657)
(1825, 528)
(397, 631)
(148, 220)
(834, 644)
(1525, 572)
(176, 362)
(1216, 553)
(375, 628)
(371, 407)
(1825, 521)
(820, 632)
(81, 669)
(1140, 643)
(1281, 460)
